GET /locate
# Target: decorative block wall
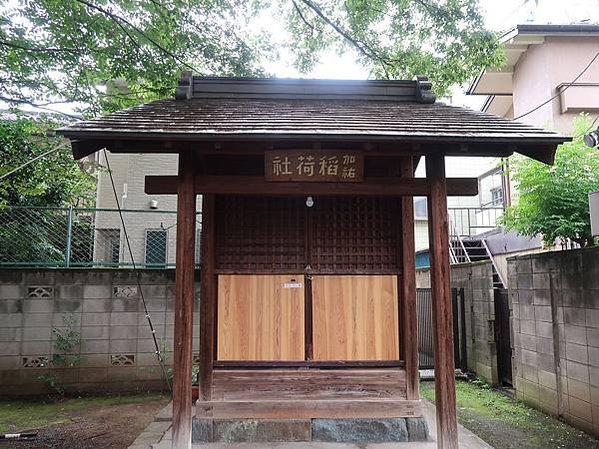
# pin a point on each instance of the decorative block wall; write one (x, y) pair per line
(117, 349)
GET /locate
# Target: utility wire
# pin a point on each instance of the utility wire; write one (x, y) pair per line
(53, 150)
(118, 20)
(586, 131)
(562, 91)
(137, 275)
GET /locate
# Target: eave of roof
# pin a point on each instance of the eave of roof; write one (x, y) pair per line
(511, 39)
(549, 29)
(376, 112)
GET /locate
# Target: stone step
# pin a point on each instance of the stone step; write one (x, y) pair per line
(386, 430)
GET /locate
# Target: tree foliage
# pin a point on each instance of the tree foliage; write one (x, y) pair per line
(35, 233)
(109, 54)
(553, 200)
(55, 180)
(442, 39)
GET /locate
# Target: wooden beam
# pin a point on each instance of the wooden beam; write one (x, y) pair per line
(277, 364)
(408, 287)
(447, 428)
(184, 299)
(256, 185)
(250, 147)
(309, 409)
(208, 298)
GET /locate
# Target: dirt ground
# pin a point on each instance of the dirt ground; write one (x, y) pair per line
(96, 426)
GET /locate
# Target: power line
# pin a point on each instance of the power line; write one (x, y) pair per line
(586, 131)
(137, 275)
(118, 19)
(53, 150)
(135, 269)
(560, 92)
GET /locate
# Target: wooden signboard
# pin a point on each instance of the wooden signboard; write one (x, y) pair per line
(314, 166)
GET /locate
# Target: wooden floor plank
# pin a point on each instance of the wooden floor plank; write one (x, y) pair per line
(309, 393)
(313, 384)
(308, 409)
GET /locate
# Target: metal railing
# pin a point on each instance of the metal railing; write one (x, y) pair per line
(87, 237)
(470, 221)
(84, 237)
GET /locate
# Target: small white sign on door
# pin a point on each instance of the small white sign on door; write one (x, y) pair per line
(292, 285)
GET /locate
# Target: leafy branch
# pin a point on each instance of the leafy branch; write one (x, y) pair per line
(362, 47)
(118, 20)
(553, 200)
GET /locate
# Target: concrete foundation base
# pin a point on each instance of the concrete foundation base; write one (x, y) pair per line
(383, 430)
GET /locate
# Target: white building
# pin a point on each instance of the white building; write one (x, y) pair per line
(150, 221)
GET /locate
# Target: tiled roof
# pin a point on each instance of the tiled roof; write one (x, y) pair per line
(275, 117)
(373, 112)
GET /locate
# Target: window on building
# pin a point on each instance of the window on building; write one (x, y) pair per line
(198, 243)
(420, 208)
(497, 196)
(156, 241)
(490, 187)
(109, 244)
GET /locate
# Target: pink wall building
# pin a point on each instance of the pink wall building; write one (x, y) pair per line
(541, 62)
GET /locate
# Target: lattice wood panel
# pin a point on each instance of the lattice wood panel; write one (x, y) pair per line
(260, 235)
(282, 235)
(355, 235)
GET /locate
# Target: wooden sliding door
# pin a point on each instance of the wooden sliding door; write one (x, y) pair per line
(355, 317)
(349, 247)
(261, 317)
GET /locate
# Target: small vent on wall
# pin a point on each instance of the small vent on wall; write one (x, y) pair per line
(124, 291)
(40, 292)
(38, 361)
(122, 359)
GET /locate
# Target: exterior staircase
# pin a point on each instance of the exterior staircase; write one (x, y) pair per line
(472, 249)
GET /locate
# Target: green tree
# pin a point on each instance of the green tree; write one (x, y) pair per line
(443, 39)
(54, 181)
(553, 200)
(32, 233)
(109, 54)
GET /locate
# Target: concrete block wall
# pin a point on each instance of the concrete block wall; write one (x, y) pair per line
(555, 299)
(477, 281)
(117, 348)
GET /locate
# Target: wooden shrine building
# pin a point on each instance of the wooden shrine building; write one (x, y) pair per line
(308, 297)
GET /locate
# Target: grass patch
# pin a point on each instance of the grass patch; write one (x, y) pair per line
(22, 415)
(508, 424)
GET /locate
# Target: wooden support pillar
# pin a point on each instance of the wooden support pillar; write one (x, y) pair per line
(208, 300)
(447, 428)
(184, 299)
(408, 286)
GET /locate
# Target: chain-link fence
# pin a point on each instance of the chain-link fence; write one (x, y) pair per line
(81, 237)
